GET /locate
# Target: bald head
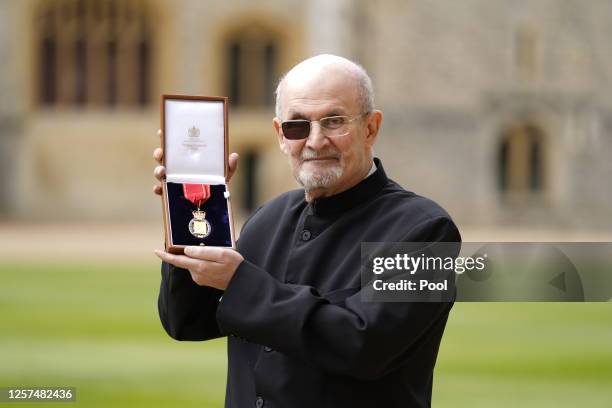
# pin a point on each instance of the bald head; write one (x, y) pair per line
(312, 71)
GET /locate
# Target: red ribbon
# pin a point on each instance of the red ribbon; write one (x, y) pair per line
(198, 194)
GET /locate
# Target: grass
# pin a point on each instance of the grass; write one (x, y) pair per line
(526, 355)
(96, 328)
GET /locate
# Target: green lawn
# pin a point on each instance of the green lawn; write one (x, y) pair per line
(96, 328)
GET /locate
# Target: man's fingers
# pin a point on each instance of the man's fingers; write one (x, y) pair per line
(181, 261)
(159, 173)
(205, 253)
(233, 164)
(158, 154)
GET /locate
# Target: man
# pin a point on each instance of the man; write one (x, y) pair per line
(289, 298)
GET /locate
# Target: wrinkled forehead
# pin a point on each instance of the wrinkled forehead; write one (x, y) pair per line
(321, 92)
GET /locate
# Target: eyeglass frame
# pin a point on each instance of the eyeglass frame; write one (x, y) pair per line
(310, 122)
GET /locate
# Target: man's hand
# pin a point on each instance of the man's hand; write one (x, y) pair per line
(208, 266)
(160, 171)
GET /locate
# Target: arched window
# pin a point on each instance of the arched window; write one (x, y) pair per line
(521, 160)
(252, 65)
(93, 52)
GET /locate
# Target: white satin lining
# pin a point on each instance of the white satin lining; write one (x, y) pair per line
(195, 179)
(191, 158)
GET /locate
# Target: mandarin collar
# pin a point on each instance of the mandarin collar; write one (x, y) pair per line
(359, 193)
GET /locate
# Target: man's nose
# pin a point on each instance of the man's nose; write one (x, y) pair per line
(316, 139)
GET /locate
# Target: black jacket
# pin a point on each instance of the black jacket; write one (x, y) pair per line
(298, 334)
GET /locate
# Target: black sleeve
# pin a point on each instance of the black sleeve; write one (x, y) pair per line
(187, 310)
(365, 340)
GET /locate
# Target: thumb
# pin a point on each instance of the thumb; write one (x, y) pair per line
(233, 164)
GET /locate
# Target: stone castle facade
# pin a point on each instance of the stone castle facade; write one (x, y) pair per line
(499, 110)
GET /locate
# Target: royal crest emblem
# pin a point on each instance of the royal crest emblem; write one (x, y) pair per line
(193, 132)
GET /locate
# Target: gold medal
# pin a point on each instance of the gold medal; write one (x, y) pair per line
(199, 225)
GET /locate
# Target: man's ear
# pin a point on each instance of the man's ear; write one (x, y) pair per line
(282, 143)
(374, 122)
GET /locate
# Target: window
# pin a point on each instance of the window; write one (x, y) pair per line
(251, 160)
(521, 160)
(93, 52)
(526, 52)
(252, 58)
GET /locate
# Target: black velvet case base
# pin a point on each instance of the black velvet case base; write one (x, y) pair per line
(181, 212)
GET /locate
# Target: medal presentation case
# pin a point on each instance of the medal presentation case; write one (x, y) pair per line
(195, 193)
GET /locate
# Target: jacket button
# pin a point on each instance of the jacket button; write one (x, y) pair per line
(268, 349)
(259, 402)
(306, 235)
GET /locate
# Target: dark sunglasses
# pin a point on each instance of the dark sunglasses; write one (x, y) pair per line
(330, 126)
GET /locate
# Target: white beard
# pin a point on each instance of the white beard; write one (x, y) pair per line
(311, 180)
(321, 177)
